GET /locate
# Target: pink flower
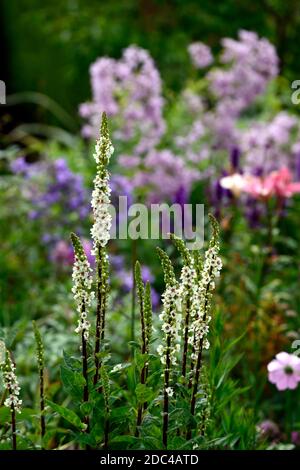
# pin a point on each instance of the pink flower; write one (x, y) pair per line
(284, 371)
(278, 183)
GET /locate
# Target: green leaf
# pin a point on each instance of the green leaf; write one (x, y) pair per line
(73, 382)
(5, 415)
(68, 415)
(143, 393)
(141, 359)
(122, 413)
(134, 344)
(71, 362)
(86, 408)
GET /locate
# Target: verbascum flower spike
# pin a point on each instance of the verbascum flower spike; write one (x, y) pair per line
(41, 365)
(83, 296)
(180, 245)
(200, 326)
(11, 385)
(187, 286)
(171, 324)
(106, 394)
(82, 285)
(101, 232)
(101, 194)
(141, 298)
(148, 315)
(140, 288)
(212, 266)
(168, 271)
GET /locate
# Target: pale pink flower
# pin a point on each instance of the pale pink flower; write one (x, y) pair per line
(284, 371)
(278, 183)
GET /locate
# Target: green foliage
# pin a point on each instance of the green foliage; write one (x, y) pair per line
(68, 415)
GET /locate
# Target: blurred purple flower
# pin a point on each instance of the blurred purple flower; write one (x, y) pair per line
(295, 438)
(201, 55)
(19, 165)
(164, 174)
(57, 196)
(130, 89)
(124, 276)
(62, 253)
(268, 429)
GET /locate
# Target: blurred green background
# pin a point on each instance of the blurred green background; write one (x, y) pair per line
(50, 44)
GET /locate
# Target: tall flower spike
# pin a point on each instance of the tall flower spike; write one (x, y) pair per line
(41, 364)
(188, 283)
(106, 394)
(82, 285)
(169, 275)
(171, 323)
(143, 303)
(11, 384)
(202, 295)
(148, 315)
(141, 296)
(100, 230)
(202, 299)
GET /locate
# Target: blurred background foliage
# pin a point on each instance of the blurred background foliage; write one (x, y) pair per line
(61, 39)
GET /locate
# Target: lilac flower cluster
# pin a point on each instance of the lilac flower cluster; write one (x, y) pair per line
(163, 174)
(130, 90)
(267, 145)
(253, 63)
(250, 64)
(201, 55)
(206, 128)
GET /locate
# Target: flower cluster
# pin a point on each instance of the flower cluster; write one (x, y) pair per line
(82, 284)
(266, 145)
(253, 63)
(200, 54)
(202, 294)
(130, 89)
(170, 316)
(164, 165)
(11, 384)
(101, 194)
(277, 183)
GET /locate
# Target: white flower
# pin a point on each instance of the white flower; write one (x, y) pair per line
(235, 183)
(117, 368)
(170, 391)
(82, 285)
(201, 297)
(171, 322)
